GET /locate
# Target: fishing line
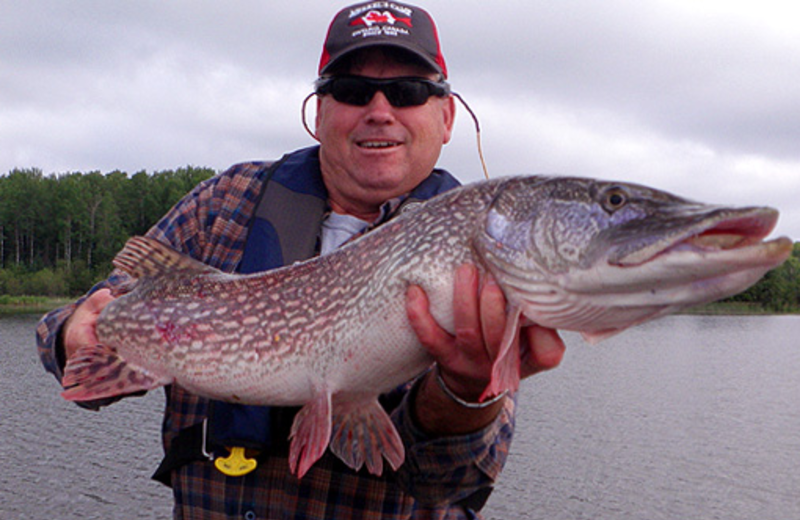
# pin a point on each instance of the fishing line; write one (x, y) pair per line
(457, 96)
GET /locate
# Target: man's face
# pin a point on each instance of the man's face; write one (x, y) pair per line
(372, 153)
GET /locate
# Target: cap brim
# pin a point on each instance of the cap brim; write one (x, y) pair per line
(423, 57)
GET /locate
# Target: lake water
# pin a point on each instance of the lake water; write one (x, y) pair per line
(686, 417)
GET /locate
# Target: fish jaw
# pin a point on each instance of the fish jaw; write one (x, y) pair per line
(717, 229)
(608, 299)
(676, 281)
(715, 258)
(602, 272)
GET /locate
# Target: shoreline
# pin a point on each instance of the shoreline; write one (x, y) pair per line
(735, 309)
(10, 305)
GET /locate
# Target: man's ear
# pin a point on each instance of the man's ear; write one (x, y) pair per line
(449, 114)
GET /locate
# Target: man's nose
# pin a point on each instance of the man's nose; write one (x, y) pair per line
(379, 110)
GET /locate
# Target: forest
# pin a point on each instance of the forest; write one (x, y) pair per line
(59, 232)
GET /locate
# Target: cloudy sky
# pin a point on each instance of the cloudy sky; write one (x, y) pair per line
(698, 97)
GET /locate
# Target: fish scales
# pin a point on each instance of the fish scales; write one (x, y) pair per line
(331, 333)
(304, 312)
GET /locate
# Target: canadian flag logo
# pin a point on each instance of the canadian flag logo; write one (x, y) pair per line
(376, 17)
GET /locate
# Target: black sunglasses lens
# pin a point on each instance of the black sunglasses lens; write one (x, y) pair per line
(400, 92)
(406, 93)
(352, 91)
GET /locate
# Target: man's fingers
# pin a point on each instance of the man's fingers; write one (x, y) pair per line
(79, 330)
(98, 300)
(466, 309)
(541, 349)
(435, 339)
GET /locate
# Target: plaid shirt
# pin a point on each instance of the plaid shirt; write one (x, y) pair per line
(211, 224)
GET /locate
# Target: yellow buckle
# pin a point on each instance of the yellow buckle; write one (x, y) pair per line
(236, 464)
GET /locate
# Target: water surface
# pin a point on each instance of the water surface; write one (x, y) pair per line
(687, 417)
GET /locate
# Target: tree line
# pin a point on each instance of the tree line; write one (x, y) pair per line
(59, 232)
(779, 290)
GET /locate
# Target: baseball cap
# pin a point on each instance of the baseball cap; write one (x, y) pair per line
(392, 24)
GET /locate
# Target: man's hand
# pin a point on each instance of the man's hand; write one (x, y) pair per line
(541, 349)
(465, 359)
(79, 329)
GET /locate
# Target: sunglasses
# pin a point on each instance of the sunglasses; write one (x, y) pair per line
(401, 92)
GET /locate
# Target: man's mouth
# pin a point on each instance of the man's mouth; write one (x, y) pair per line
(377, 144)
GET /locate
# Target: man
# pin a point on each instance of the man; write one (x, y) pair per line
(383, 114)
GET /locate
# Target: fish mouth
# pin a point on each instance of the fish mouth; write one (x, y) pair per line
(725, 231)
(696, 258)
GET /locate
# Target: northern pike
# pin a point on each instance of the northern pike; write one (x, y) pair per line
(331, 333)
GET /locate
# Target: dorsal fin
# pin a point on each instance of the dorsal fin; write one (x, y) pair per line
(146, 257)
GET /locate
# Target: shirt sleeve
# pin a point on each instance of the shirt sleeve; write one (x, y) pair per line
(47, 332)
(447, 470)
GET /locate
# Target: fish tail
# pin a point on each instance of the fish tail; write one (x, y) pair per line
(97, 372)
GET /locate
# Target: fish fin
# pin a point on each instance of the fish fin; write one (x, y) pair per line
(593, 338)
(506, 367)
(146, 257)
(124, 287)
(363, 433)
(96, 372)
(311, 433)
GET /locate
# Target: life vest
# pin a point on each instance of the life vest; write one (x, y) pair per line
(285, 228)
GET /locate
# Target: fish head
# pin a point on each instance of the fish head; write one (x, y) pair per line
(598, 257)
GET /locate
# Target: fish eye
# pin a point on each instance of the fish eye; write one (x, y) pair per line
(614, 199)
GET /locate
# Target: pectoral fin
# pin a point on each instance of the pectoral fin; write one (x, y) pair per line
(506, 368)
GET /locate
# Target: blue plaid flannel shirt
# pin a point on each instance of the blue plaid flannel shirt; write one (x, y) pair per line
(437, 478)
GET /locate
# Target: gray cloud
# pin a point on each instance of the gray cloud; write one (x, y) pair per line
(696, 98)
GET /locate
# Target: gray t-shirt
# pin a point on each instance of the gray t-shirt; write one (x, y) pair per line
(338, 229)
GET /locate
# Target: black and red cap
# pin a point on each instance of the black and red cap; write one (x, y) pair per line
(392, 24)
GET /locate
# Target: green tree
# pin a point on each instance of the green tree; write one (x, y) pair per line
(19, 193)
(779, 289)
(60, 232)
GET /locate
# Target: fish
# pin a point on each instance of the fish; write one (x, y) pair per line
(331, 334)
